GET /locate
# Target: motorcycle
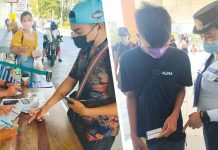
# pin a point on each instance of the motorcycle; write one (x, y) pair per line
(52, 49)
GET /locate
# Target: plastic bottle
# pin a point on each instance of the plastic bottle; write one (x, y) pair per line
(17, 76)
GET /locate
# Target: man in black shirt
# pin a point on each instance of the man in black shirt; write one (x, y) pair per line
(124, 45)
(93, 114)
(154, 77)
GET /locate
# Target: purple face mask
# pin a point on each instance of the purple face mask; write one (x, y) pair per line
(157, 52)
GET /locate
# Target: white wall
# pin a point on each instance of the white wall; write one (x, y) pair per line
(4, 13)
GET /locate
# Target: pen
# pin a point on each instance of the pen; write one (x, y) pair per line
(10, 125)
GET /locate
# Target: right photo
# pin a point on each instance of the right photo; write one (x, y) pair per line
(165, 71)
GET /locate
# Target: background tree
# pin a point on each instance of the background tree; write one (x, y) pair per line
(52, 9)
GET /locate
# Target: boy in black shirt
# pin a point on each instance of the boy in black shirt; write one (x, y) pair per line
(154, 77)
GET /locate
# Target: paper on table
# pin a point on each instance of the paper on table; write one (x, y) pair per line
(5, 118)
(40, 82)
(39, 95)
(36, 100)
(16, 111)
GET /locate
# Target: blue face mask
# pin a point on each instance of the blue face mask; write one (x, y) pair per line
(210, 47)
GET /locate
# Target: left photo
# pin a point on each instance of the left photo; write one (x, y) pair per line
(56, 84)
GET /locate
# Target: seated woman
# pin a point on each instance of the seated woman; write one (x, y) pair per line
(6, 80)
(7, 133)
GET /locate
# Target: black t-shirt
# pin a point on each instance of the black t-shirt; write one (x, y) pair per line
(156, 104)
(120, 48)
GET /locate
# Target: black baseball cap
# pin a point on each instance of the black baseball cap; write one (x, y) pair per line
(206, 18)
(123, 31)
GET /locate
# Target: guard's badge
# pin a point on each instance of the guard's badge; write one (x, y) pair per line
(198, 24)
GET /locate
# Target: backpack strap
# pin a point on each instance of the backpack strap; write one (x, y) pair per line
(89, 70)
(22, 38)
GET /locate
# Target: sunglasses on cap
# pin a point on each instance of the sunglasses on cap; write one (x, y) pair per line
(72, 15)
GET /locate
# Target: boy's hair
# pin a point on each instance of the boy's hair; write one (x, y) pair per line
(154, 24)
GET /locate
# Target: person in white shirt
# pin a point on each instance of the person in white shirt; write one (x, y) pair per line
(51, 35)
(183, 44)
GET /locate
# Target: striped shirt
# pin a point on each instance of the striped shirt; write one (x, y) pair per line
(5, 74)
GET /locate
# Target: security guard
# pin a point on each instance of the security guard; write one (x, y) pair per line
(206, 85)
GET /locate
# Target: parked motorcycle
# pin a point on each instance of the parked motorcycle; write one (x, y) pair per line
(52, 49)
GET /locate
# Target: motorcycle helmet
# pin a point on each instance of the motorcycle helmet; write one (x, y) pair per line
(53, 25)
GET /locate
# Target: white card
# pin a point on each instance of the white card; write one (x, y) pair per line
(152, 136)
(153, 131)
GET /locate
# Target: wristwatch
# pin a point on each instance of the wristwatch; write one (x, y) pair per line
(204, 117)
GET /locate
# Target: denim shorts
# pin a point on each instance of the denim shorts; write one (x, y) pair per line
(26, 61)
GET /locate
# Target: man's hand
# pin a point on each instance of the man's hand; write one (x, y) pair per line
(78, 107)
(195, 120)
(138, 143)
(170, 126)
(38, 114)
(6, 109)
(12, 90)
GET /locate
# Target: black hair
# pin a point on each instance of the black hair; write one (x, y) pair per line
(25, 13)
(154, 24)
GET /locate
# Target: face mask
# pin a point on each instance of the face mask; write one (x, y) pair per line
(81, 41)
(157, 52)
(27, 25)
(210, 47)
